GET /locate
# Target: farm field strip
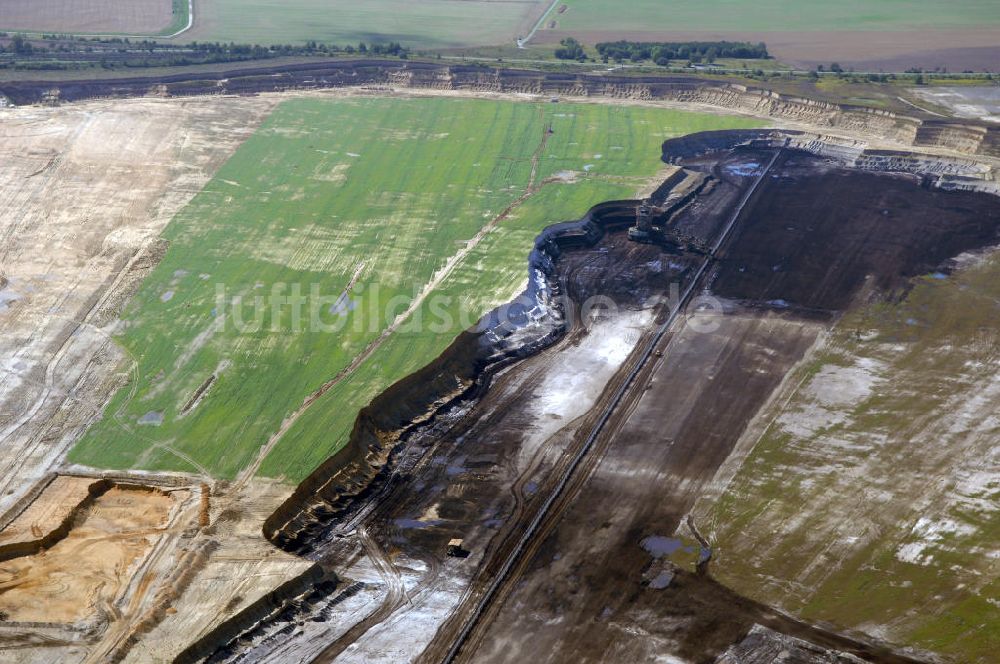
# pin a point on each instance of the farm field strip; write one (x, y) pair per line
(325, 186)
(427, 24)
(867, 36)
(135, 17)
(774, 16)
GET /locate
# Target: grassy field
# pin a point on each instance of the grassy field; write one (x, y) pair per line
(773, 15)
(426, 24)
(873, 489)
(375, 194)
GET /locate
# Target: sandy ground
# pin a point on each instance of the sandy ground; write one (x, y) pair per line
(979, 102)
(240, 571)
(84, 191)
(46, 513)
(107, 16)
(86, 570)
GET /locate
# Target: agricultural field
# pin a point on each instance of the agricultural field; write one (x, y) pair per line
(134, 17)
(424, 24)
(862, 33)
(723, 16)
(871, 488)
(420, 207)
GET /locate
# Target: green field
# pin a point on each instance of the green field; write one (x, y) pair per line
(649, 16)
(384, 189)
(180, 17)
(424, 24)
(877, 509)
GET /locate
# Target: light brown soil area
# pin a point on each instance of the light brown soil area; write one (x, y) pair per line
(244, 568)
(103, 16)
(865, 51)
(84, 192)
(83, 573)
(48, 511)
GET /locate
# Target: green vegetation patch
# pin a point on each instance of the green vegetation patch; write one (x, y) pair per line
(427, 23)
(181, 16)
(355, 206)
(871, 501)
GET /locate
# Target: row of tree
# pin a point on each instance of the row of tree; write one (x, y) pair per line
(696, 51)
(117, 51)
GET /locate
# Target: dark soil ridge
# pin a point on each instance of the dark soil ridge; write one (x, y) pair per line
(281, 604)
(917, 129)
(948, 173)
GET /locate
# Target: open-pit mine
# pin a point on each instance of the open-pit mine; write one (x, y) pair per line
(741, 407)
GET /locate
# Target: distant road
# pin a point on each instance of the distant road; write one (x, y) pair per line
(189, 23)
(538, 24)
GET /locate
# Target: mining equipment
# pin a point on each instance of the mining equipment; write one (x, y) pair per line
(643, 230)
(456, 550)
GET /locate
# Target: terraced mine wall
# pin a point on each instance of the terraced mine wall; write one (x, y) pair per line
(383, 76)
(265, 608)
(951, 173)
(439, 391)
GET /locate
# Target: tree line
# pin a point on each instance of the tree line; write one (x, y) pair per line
(696, 51)
(68, 52)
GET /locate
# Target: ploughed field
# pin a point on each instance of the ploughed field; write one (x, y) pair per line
(131, 17)
(397, 221)
(675, 533)
(891, 35)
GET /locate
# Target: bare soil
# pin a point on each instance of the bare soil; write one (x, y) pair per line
(85, 572)
(579, 595)
(85, 192)
(803, 247)
(956, 50)
(47, 513)
(100, 16)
